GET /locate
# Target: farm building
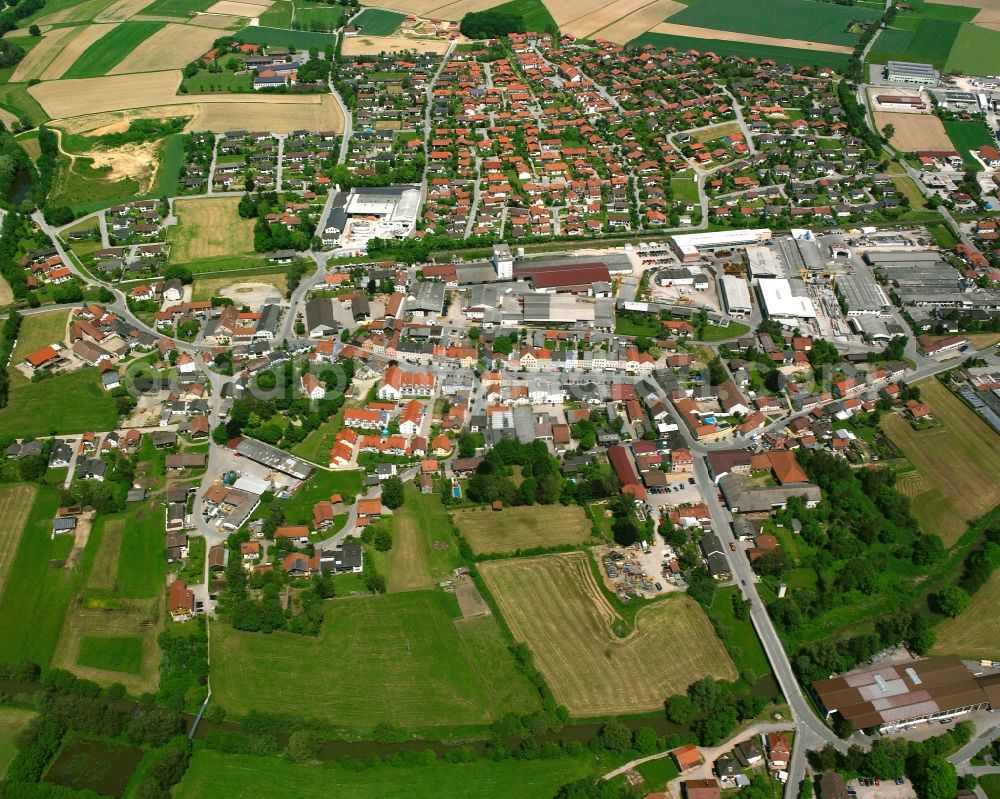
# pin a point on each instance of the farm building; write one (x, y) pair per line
(894, 698)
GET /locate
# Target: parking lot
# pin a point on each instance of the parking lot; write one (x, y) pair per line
(881, 789)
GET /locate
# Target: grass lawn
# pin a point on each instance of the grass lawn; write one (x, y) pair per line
(106, 52)
(717, 333)
(959, 459)
(685, 189)
(739, 636)
(782, 55)
(376, 22)
(322, 485)
(278, 15)
(976, 51)
(12, 720)
(141, 565)
(974, 633)
(786, 19)
(206, 82)
(991, 784)
(534, 13)
(112, 653)
(278, 37)
(414, 562)
(209, 229)
(37, 331)
(70, 403)
(37, 594)
(215, 776)
(326, 17)
(657, 773)
(943, 237)
(214, 266)
(968, 136)
(316, 446)
(648, 326)
(522, 527)
(397, 658)
(176, 8)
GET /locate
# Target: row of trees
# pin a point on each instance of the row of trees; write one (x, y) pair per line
(715, 706)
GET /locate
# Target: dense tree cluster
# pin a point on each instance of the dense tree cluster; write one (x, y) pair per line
(715, 706)
(493, 479)
(494, 24)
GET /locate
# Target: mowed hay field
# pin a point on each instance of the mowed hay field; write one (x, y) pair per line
(913, 132)
(171, 47)
(960, 459)
(72, 47)
(111, 48)
(523, 527)
(15, 504)
(554, 605)
(70, 98)
(975, 633)
(396, 658)
(209, 229)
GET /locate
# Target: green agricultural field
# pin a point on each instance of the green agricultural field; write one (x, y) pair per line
(278, 37)
(376, 22)
(176, 8)
(782, 55)
(318, 17)
(12, 721)
(976, 51)
(535, 15)
(397, 658)
(141, 564)
(968, 136)
(322, 485)
(68, 11)
(278, 15)
(930, 41)
(37, 592)
(206, 82)
(106, 52)
(215, 776)
(785, 19)
(424, 550)
(69, 403)
(111, 653)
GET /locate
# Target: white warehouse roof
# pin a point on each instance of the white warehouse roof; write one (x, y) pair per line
(779, 300)
(736, 293)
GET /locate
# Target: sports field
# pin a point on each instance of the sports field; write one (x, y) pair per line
(396, 658)
(424, 551)
(968, 136)
(804, 20)
(376, 22)
(41, 409)
(553, 604)
(523, 527)
(959, 460)
(15, 504)
(12, 721)
(914, 132)
(215, 776)
(738, 47)
(209, 229)
(101, 57)
(975, 633)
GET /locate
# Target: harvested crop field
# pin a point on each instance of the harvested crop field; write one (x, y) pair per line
(711, 33)
(237, 8)
(70, 98)
(974, 633)
(172, 47)
(915, 131)
(6, 294)
(121, 10)
(373, 45)
(523, 527)
(456, 10)
(554, 605)
(15, 504)
(72, 48)
(959, 459)
(217, 21)
(42, 54)
(112, 48)
(622, 22)
(209, 229)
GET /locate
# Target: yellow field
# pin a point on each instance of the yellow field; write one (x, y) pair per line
(42, 54)
(15, 504)
(733, 36)
(238, 8)
(914, 132)
(637, 22)
(959, 459)
(976, 632)
(72, 48)
(121, 10)
(6, 295)
(171, 47)
(553, 604)
(70, 98)
(523, 527)
(456, 10)
(209, 229)
(373, 45)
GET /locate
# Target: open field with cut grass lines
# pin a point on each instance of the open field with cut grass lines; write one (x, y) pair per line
(276, 37)
(102, 56)
(595, 20)
(120, 653)
(974, 633)
(522, 527)
(690, 31)
(803, 20)
(376, 22)
(15, 504)
(636, 22)
(209, 229)
(396, 658)
(215, 776)
(176, 8)
(373, 45)
(554, 605)
(959, 459)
